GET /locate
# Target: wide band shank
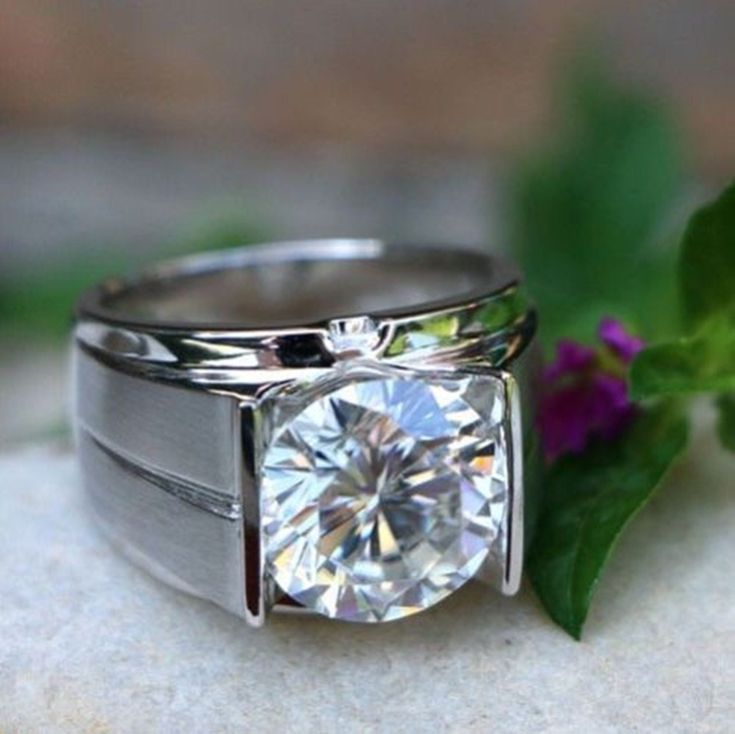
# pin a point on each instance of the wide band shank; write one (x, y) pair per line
(165, 362)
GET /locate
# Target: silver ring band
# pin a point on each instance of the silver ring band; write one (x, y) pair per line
(174, 368)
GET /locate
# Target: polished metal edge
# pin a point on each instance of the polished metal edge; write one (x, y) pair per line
(494, 330)
(257, 600)
(92, 304)
(462, 326)
(514, 543)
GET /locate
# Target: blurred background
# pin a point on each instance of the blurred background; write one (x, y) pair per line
(129, 130)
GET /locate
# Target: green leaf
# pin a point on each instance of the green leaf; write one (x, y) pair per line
(587, 212)
(224, 228)
(40, 303)
(726, 422)
(588, 500)
(707, 260)
(704, 362)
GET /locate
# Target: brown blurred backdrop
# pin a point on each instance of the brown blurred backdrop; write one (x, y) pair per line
(121, 120)
(435, 75)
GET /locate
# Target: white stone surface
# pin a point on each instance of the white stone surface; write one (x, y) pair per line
(88, 643)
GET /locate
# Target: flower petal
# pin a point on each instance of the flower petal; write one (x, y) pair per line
(571, 358)
(570, 417)
(613, 334)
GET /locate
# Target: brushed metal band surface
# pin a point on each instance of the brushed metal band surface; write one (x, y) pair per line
(167, 365)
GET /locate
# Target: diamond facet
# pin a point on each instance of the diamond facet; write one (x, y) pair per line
(384, 490)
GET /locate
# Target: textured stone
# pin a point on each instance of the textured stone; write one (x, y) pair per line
(89, 643)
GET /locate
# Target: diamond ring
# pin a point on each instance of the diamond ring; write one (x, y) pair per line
(328, 426)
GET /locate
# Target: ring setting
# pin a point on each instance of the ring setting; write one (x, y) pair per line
(361, 466)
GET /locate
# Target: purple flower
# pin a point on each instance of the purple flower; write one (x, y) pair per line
(570, 359)
(585, 391)
(613, 334)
